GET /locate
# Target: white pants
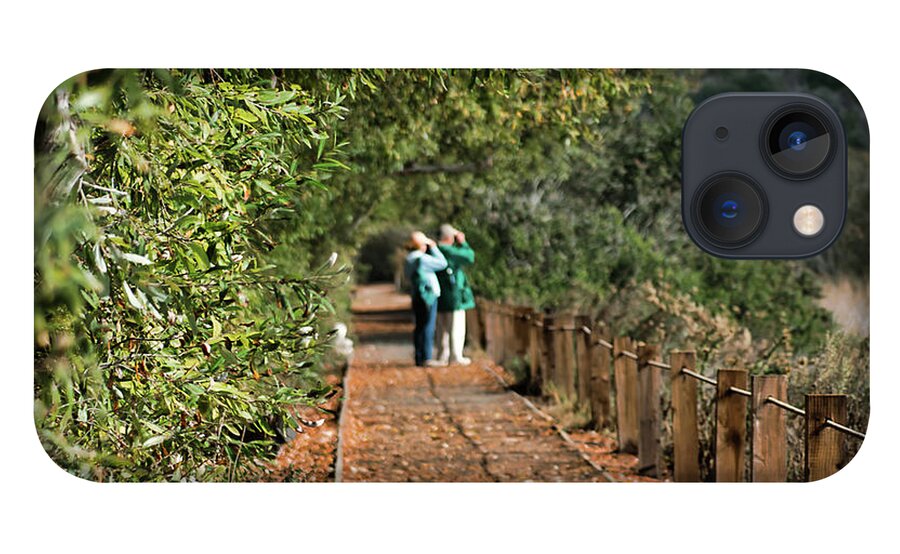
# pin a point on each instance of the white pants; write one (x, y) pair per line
(451, 335)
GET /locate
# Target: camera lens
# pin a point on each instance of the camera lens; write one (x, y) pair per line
(798, 142)
(731, 209)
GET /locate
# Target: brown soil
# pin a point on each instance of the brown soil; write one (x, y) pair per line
(310, 456)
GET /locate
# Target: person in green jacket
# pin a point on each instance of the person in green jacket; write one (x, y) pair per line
(456, 296)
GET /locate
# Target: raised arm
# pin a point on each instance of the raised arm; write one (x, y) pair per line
(433, 260)
(462, 254)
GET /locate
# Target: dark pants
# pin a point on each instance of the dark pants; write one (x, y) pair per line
(423, 335)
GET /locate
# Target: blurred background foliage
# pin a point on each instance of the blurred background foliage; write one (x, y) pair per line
(185, 224)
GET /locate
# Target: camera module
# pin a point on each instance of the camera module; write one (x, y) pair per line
(764, 175)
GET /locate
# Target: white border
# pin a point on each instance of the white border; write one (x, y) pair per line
(46, 509)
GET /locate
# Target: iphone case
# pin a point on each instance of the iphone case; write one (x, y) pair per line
(427, 275)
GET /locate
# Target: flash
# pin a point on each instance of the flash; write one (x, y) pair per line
(809, 220)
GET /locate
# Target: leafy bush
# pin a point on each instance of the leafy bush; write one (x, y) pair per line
(170, 332)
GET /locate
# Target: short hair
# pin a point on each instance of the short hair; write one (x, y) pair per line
(448, 231)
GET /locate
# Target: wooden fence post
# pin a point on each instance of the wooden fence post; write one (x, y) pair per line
(685, 432)
(648, 410)
(522, 326)
(506, 324)
(583, 372)
(826, 450)
(556, 339)
(768, 436)
(548, 357)
(526, 315)
(564, 349)
(503, 328)
(512, 340)
(485, 307)
(515, 339)
(626, 395)
(599, 389)
(497, 313)
(475, 326)
(491, 331)
(731, 425)
(535, 344)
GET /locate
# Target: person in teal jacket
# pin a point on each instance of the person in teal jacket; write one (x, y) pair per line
(422, 262)
(456, 296)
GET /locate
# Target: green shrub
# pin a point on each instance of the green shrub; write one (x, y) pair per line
(170, 332)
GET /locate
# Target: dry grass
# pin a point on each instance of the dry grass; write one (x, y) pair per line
(848, 300)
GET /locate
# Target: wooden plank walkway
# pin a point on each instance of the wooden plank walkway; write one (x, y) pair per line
(458, 423)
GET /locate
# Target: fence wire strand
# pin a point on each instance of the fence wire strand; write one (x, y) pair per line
(785, 406)
(604, 344)
(699, 377)
(742, 392)
(843, 428)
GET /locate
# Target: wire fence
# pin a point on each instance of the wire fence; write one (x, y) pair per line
(619, 381)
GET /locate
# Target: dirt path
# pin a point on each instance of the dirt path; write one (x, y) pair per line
(458, 423)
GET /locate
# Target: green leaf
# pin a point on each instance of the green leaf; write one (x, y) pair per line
(276, 97)
(132, 299)
(199, 252)
(137, 259)
(153, 427)
(153, 441)
(244, 116)
(98, 259)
